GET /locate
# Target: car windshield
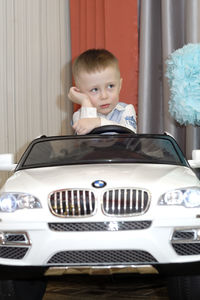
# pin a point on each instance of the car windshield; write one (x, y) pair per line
(102, 149)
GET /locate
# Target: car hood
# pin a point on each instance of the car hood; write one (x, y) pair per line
(149, 176)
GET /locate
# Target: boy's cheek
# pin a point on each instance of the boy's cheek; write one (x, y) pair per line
(93, 101)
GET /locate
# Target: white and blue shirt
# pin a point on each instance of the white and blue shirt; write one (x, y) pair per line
(123, 114)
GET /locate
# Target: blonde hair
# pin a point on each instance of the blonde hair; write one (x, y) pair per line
(94, 60)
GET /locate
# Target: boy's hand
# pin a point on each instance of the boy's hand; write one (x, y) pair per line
(80, 98)
(85, 125)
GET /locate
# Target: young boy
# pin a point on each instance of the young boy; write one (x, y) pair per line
(97, 87)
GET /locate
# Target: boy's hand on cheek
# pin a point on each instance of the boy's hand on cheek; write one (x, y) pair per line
(80, 98)
(84, 126)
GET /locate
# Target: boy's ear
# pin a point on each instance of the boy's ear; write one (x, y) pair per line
(121, 81)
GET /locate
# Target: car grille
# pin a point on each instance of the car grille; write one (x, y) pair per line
(115, 202)
(72, 203)
(100, 226)
(15, 238)
(101, 257)
(187, 248)
(13, 252)
(184, 235)
(123, 202)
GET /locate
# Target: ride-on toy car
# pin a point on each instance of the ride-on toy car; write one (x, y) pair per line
(100, 204)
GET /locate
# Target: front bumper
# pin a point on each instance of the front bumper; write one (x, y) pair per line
(55, 253)
(35, 272)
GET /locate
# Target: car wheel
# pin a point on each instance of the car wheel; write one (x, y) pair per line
(7, 289)
(184, 287)
(22, 289)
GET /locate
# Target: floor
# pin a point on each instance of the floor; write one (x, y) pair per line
(114, 287)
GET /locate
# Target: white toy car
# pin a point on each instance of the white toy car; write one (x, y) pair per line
(101, 204)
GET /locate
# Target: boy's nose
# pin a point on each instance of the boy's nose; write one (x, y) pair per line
(103, 94)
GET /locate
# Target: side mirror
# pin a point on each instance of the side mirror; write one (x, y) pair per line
(195, 161)
(7, 162)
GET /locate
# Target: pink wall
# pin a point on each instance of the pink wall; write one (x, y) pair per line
(110, 24)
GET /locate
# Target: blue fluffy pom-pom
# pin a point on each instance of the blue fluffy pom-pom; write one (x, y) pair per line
(183, 73)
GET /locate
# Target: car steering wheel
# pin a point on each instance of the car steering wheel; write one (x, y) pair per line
(106, 129)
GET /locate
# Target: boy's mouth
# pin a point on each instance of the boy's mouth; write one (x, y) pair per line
(104, 106)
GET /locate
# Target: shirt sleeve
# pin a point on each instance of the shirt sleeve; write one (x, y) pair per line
(84, 112)
(128, 119)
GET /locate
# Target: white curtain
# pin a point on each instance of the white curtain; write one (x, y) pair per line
(164, 26)
(35, 72)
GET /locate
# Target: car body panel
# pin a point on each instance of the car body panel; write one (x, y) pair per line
(112, 247)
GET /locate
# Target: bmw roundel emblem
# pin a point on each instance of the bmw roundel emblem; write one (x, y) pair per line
(99, 184)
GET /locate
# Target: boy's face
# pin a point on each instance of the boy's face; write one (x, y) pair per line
(102, 88)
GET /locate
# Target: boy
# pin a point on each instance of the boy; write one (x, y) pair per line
(98, 84)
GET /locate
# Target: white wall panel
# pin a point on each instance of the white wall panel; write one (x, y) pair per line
(35, 72)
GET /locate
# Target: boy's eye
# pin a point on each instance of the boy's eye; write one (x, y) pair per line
(94, 90)
(111, 86)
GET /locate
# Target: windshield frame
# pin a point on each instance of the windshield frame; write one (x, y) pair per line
(21, 165)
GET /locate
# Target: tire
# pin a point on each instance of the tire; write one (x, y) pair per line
(7, 290)
(22, 289)
(184, 287)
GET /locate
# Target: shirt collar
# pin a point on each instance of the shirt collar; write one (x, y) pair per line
(118, 107)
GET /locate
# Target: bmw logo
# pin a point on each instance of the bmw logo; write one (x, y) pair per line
(99, 184)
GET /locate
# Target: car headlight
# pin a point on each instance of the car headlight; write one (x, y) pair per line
(10, 202)
(189, 197)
